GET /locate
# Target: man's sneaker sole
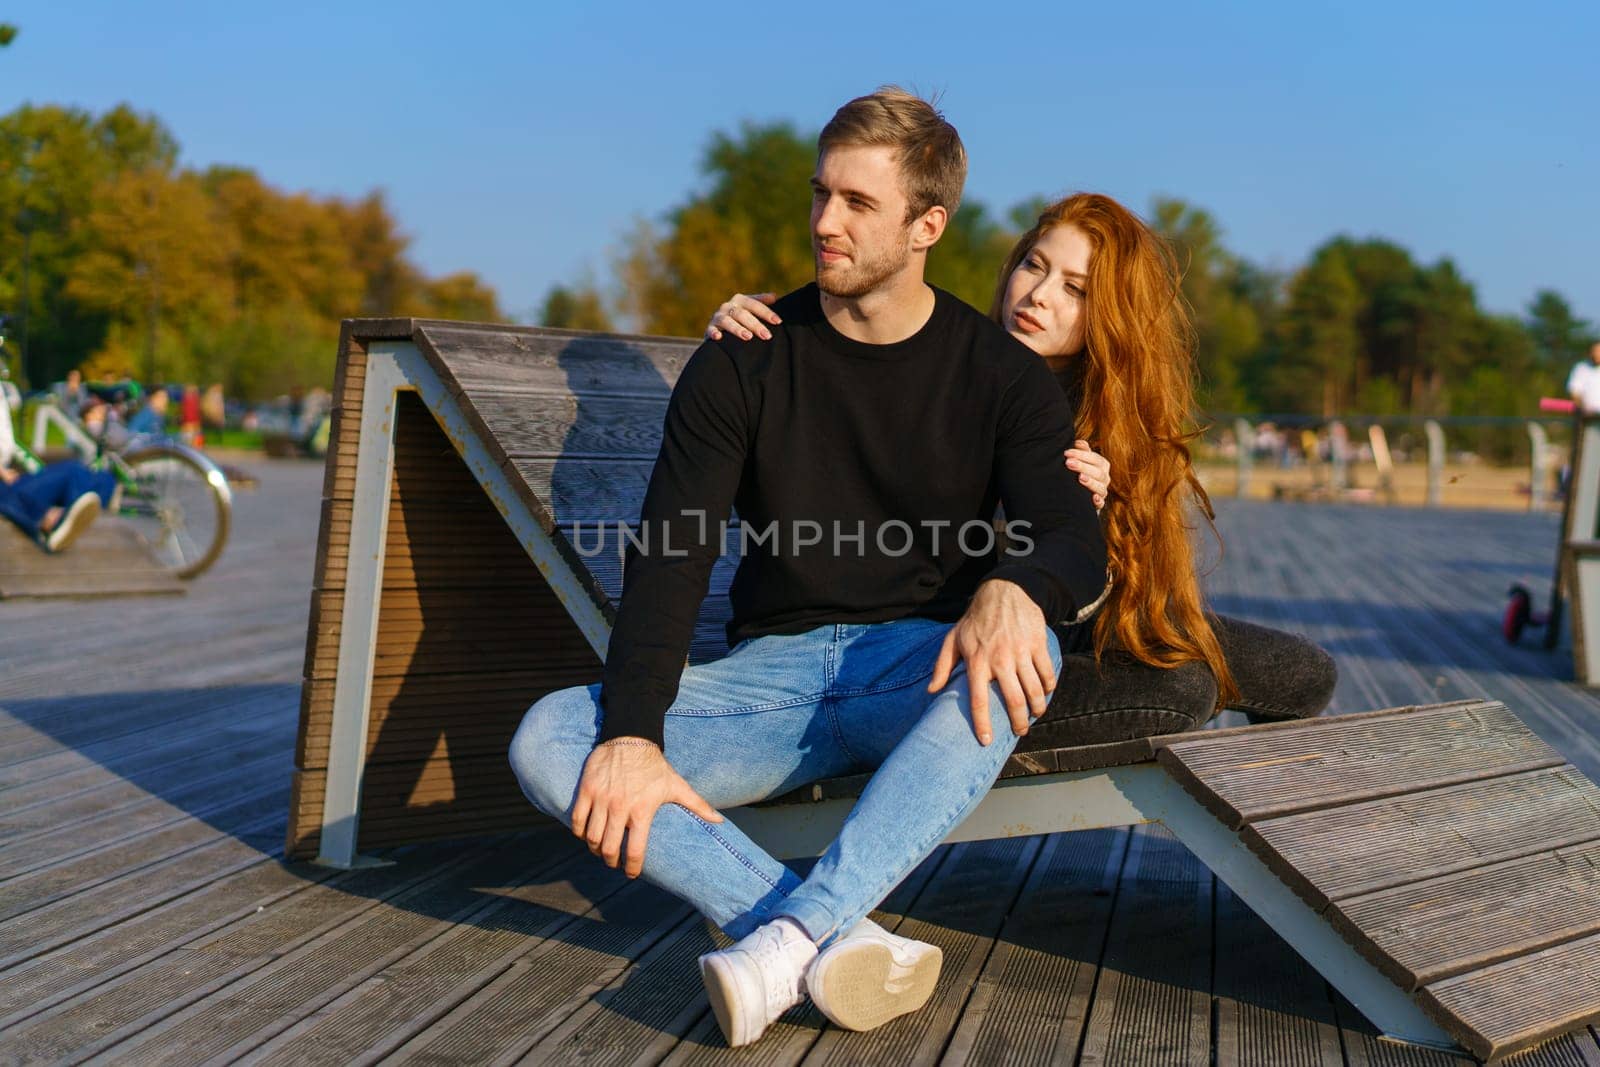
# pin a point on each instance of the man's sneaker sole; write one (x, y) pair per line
(858, 988)
(721, 981)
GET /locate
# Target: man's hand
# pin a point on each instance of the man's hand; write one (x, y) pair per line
(622, 786)
(9, 476)
(1003, 639)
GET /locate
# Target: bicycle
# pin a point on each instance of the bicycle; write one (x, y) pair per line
(176, 499)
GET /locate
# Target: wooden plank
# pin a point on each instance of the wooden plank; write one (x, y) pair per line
(85, 813)
(575, 426)
(72, 875)
(1517, 1004)
(1271, 1006)
(1032, 998)
(80, 914)
(68, 779)
(1327, 762)
(552, 361)
(109, 559)
(196, 797)
(1435, 929)
(407, 997)
(961, 911)
(642, 1013)
(1030, 760)
(587, 489)
(239, 994)
(1153, 1002)
(198, 911)
(69, 735)
(1337, 853)
(554, 978)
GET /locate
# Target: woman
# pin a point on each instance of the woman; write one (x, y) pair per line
(1095, 292)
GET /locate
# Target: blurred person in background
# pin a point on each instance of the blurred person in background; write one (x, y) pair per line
(1583, 384)
(151, 420)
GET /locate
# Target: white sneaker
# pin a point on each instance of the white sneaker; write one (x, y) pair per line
(83, 511)
(870, 976)
(757, 979)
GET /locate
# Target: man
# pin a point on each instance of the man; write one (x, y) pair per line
(862, 446)
(1583, 384)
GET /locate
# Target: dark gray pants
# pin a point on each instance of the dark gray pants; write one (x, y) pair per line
(1280, 676)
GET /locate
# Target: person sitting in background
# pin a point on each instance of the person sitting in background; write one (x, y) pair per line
(52, 506)
(55, 505)
(151, 419)
(72, 395)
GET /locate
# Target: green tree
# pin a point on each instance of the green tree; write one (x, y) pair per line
(578, 307)
(1222, 293)
(968, 257)
(1559, 337)
(1447, 324)
(1321, 341)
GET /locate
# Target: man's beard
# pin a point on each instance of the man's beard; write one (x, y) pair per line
(862, 276)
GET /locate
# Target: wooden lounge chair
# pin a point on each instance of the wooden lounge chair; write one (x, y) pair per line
(1439, 865)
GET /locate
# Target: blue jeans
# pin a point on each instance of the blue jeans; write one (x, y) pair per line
(777, 713)
(26, 501)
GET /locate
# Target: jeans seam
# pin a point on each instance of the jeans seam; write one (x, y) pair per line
(830, 710)
(731, 850)
(1259, 705)
(883, 687)
(743, 709)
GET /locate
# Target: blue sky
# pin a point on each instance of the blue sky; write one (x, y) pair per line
(523, 140)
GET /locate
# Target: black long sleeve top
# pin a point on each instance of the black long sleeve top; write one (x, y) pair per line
(862, 476)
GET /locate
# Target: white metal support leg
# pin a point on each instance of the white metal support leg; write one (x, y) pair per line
(393, 368)
(352, 687)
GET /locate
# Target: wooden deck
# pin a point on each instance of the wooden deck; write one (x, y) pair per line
(146, 916)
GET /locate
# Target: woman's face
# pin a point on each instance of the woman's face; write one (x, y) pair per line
(1044, 296)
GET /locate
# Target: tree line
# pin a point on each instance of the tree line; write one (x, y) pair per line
(1362, 327)
(116, 260)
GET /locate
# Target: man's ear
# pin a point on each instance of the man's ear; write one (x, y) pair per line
(926, 231)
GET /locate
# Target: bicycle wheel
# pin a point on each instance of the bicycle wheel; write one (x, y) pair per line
(181, 504)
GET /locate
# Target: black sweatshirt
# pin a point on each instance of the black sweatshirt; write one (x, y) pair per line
(880, 454)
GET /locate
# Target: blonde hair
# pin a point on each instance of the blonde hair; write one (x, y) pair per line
(933, 162)
(1138, 372)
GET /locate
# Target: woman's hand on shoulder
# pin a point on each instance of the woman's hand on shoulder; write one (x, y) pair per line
(1093, 470)
(743, 316)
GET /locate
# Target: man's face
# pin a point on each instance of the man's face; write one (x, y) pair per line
(1594, 351)
(859, 233)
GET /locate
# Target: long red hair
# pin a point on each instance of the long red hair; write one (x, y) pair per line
(1136, 409)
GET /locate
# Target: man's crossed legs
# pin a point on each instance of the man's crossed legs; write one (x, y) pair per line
(777, 713)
